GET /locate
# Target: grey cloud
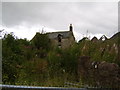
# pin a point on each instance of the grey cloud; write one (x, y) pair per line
(97, 17)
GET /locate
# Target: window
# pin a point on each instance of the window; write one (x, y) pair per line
(59, 37)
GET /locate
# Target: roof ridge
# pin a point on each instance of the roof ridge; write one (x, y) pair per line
(58, 32)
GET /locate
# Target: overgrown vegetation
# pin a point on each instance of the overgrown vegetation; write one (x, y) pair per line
(36, 63)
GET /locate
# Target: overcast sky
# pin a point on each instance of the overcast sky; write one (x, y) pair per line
(27, 18)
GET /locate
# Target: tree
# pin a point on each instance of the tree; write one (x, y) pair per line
(11, 57)
(41, 41)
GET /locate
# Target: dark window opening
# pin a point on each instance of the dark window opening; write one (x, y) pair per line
(59, 37)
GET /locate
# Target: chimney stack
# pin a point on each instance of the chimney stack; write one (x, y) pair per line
(71, 28)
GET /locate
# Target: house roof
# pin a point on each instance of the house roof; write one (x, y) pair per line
(94, 39)
(103, 38)
(64, 34)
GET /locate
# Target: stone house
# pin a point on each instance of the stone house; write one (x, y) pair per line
(62, 39)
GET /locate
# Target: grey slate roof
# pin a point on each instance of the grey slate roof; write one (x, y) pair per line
(65, 34)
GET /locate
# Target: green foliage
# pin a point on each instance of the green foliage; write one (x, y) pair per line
(69, 59)
(34, 72)
(41, 41)
(35, 62)
(11, 58)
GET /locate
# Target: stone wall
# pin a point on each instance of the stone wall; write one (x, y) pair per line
(100, 74)
(65, 43)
